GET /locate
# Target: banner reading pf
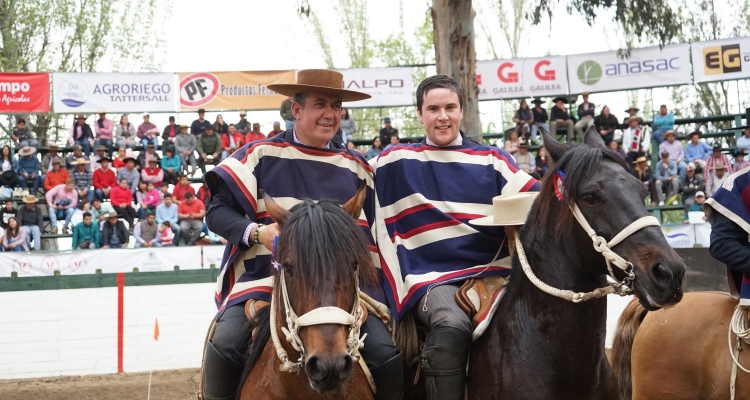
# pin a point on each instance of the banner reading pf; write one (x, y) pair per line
(232, 90)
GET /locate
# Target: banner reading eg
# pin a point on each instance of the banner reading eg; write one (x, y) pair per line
(135, 92)
(24, 93)
(389, 87)
(721, 60)
(232, 90)
(522, 78)
(645, 68)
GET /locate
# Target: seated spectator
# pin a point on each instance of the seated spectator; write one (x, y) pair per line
(83, 180)
(57, 176)
(70, 160)
(348, 126)
(375, 150)
(739, 161)
(690, 185)
(559, 116)
(350, 146)
(541, 162)
(125, 133)
(147, 132)
(675, 150)
(130, 174)
(586, 113)
(663, 122)
(86, 233)
(204, 194)
(15, 237)
(81, 135)
(276, 129)
(184, 146)
(513, 143)
(524, 119)
(83, 206)
(121, 199)
(165, 234)
(153, 173)
(28, 169)
(666, 179)
(163, 191)
(243, 126)
(146, 232)
(394, 141)
(167, 212)
(169, 134)
(152, 198)
(215, 239)
(140, 199)
(31, 217)
(23, 135)
(209, 148)
(220, 127)
(255, 134)
(47, 158)
(743, 143)
(181, 189)
(114, 233)
(9, 166)
(385, 133)
(62, 201)
(717, 157)
(100, 210)
(117, 159)
(7, 212)
(614, 146)
(606, 124)
(104, 130)
(170, 166)
(539, 114)
(636, 139)
(644, 174)
(104, 179)
(231, 141)
(697, 151)
(632, 113)
(525, 160)
(697, 205)
(199, 125)
(191, 215)
(146, 155)
(100, 152)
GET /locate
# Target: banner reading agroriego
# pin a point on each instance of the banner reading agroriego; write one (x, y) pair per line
(232, 90)
(644, 68)
(90, 92)
(388, 87)
(721, 60)
(522, 78)
(24, 93)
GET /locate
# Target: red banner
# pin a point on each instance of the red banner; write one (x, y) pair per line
(24, 93)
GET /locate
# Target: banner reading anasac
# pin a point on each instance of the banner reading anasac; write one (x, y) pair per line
(232, 90)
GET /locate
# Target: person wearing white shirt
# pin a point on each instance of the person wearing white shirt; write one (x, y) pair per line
(635, 139)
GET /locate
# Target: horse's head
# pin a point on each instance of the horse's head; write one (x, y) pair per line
(610, 198)
(320, 253)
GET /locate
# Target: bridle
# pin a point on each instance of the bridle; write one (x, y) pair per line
(317, 316)
(601, 245)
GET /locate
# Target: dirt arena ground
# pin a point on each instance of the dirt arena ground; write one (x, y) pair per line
(181, 384)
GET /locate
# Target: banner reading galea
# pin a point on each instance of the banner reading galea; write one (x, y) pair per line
(24, 93)
(522, 78)
(389, 87)
(219, 91)
(721, 60)
(90, 92)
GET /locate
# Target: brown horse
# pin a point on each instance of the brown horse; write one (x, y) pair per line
(539, 346)
(320, 253)
(680, 353)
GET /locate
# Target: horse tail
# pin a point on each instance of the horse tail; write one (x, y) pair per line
(261, 326)
(622, 347)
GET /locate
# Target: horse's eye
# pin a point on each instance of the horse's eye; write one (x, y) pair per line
(288, 268)
(590, 198)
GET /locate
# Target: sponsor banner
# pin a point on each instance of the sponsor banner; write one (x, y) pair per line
(24, 93)
(522, 78)
(389, 87)
(212, 255)
(703, 234)
(644, 68)
(88, 93)
(720, 60)
(157, 259)
(679, 236)
(232, 90)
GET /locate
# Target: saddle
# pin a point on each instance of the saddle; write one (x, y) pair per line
(479, 298)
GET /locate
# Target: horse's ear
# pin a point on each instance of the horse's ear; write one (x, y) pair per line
(353, 207)
(277, 212)
(593, 138)
(554, 148)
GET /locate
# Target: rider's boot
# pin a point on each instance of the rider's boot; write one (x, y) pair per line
(220, 377)
(389, 379)
(444, 357)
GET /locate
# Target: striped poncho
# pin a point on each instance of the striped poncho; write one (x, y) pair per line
(289, 172)
(425, 197)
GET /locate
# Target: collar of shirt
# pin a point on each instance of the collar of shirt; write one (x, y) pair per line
(296, 140)
(456, 142)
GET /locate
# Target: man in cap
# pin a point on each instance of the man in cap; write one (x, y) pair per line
(147, 131)
(199, 125)
(56, 176)
(243, 126)
(286, 112)
(70, 160)
(559, 116)
(104, 179)
(695, 206)
(28, 169)
(62, 201)
(689, 185)
(313, 167)
(632, 112)
(440, 250)
(540, 118)
(169, 134)
(256, 134)
(635, 139)
(716, 179)
(30, 218)
(80, 135)
(663, 122)
(101, 151)
(675, 150)
(184, 147)
(643, 172)
(104, 129)
(739, 161)
(697, 151)
(23, 135)
(83, 180)
(114, 233)
(130, 174)
(276, 129)
(209, 148)
(586, 114)
(666, 177)
(231, 141)
(387, 131)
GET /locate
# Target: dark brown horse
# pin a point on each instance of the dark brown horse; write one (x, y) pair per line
(320, 251)
(543, 347)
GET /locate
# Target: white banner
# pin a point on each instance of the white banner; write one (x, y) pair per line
(703, 234)
(212, 255)
(387, 86)
(522, 78)
(721, 60)
(644, 68)
(88, 93)
(679, 236)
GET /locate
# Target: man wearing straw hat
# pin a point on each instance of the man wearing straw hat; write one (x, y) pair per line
(28, 169)
(30, 218)
(302, 162)
(83, 180)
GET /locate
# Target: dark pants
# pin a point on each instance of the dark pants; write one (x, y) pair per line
(633, 155)
(202, 163)
(170, 178)
(128, 214)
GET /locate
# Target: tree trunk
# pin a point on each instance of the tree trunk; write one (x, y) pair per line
(455, 55)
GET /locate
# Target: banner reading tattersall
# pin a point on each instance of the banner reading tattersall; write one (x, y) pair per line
(721, 60)
(389, 87)
(90, 92)
(24, 93)
(232, 90)
(644, 68)
(522, 78)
